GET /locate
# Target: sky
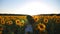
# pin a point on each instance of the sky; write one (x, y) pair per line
(30, 7)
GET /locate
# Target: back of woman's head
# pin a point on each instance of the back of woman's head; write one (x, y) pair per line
(30, 19)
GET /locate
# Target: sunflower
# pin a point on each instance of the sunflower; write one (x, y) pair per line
(9, 22)
(57, 20)
(36, 18)
(41, 27)
(19, 22)
(46, 20)
(2, 22)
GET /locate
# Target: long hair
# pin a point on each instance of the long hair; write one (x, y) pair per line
(30, 19)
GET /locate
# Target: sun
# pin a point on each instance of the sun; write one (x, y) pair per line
(34, 8)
